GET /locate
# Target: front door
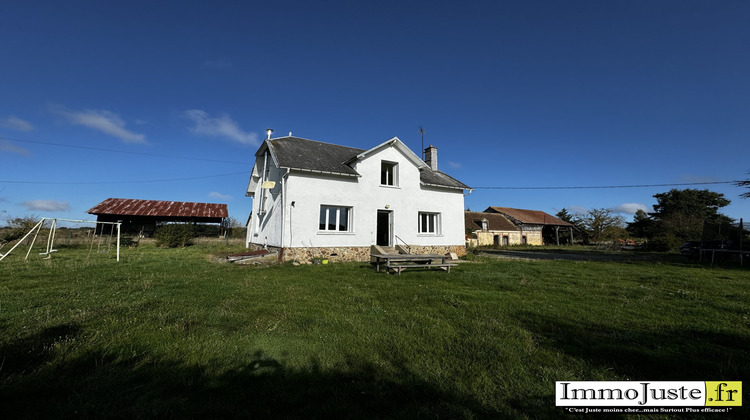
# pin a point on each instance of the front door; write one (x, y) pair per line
(383, 234)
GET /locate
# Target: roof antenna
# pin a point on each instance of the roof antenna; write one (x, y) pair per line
(421, 131)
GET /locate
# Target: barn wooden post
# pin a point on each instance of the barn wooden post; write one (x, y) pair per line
(557, 235)
(571, 234)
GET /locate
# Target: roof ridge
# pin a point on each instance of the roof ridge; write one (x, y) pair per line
(315, 141)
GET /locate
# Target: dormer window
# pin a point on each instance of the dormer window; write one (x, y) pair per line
(389, 173)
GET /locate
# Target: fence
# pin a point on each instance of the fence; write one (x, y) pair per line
(725, 241)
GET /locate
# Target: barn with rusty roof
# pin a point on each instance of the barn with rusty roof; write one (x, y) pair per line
(537, 226)
(143, 216)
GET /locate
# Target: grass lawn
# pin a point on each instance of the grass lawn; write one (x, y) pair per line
(173, 333)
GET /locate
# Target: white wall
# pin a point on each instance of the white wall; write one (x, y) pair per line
(365, 195)
(266, 229)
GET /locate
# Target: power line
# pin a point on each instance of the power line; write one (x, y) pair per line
(100, 149)
(605, 186)
(119, 182)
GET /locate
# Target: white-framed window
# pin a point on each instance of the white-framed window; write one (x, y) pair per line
(429, 223)
(388, 173)
(335, 219)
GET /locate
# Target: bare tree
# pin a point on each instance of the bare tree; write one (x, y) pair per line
(602, 224)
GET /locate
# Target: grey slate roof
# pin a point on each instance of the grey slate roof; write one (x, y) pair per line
(315, 156)
(310, 155)
(441, 179)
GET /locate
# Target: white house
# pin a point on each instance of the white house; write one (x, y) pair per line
(321, 200)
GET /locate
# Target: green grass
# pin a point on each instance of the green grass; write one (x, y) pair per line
(174, 333)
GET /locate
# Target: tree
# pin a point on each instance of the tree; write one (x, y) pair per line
(642, 225)
(601, 224)
(682, 213)
(235, 228)
(564, 215)
(745, 183)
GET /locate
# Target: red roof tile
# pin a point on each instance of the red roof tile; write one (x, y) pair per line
(133, 207)
(534, 217)
(498, 222)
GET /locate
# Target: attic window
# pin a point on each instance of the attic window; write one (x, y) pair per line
(388, 173)
(485, 224)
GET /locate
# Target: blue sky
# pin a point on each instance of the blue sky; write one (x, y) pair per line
(170, 100)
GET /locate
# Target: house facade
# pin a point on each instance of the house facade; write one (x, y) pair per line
(491, 229)
(319, 200)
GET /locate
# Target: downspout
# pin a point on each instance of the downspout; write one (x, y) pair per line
(263, 179)
(283, 213)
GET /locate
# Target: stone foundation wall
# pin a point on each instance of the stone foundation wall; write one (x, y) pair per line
(460, 250)
(334, 254)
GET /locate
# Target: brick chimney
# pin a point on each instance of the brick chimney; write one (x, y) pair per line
(430, 157)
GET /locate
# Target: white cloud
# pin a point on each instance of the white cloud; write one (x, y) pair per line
(454, 165)
(15, 123)
(214, 194)
(7, 146)
(630, 208)
(46, 205)
(580, 210)
(101, 120)
(221, 126)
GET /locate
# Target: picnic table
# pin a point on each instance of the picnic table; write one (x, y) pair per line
(400, 262)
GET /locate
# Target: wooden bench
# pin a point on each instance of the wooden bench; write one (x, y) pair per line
(400, 262)
(398, 268)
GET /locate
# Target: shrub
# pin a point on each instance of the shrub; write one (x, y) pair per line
(174, 235)
(17, 228)
(664, 243)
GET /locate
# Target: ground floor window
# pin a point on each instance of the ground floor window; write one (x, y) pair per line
(335, 219)
(429, 223)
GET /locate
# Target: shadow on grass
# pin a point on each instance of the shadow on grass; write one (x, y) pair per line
(685, 354)
(108, 384)
(29, 353)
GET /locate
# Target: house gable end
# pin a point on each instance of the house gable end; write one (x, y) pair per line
(395, 143)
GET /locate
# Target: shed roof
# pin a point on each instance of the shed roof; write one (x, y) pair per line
(155, 208)
(532, 217)
(495, 221)
(315, 156)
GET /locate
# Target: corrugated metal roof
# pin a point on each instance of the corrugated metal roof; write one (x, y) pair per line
(533, 217)
(133, 207)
